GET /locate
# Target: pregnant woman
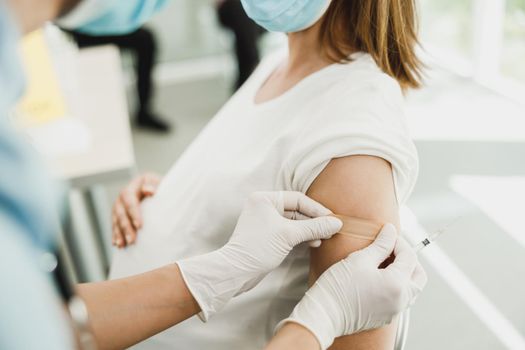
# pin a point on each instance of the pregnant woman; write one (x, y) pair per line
(324, 117)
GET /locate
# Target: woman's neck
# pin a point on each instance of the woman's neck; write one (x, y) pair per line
(304, 51)
(304, 59)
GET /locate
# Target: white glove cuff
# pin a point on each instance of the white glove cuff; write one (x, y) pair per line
(211, 281)
(311, 315)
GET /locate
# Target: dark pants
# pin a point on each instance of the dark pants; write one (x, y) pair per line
(142, 45)
(247, 32)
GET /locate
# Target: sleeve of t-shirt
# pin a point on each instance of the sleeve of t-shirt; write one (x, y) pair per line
(365, 121)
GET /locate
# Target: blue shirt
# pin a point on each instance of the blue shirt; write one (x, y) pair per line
(30, 312)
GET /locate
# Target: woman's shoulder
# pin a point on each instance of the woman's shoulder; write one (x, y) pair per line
(362, 77)
(359, 110)
(358, 92)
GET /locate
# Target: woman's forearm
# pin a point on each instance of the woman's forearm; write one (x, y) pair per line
(126, 311)
(293, 336)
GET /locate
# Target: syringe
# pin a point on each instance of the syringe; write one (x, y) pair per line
(433, 236)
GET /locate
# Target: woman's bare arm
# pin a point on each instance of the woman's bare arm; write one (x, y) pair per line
(357, 186)
(126, 311)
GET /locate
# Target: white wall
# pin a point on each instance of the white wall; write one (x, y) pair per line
(189, 29)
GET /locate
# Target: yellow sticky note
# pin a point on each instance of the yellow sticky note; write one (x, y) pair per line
(43, 101)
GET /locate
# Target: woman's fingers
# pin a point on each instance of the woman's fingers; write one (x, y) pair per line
(150, 183)
(130, 198)
(124, 223)
(118, 238)
(143, 186)
(127, 216)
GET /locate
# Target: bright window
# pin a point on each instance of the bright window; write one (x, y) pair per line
(513, 48)
(447, 24)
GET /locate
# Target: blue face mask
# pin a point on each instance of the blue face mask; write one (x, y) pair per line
(110, 17)
(285, 16)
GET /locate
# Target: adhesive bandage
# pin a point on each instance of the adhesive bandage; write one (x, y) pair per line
(359, 228)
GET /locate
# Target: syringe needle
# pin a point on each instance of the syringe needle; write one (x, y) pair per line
(434, 235)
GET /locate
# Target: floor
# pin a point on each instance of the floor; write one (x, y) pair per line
(472, 146)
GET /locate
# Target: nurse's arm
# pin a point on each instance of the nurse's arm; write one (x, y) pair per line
(356, 186)
(126, 311)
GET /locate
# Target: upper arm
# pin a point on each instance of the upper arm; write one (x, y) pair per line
(357, 186)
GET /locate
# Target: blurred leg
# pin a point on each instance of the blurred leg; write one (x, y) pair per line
(142, 44)
(146, 52)
(247, 32)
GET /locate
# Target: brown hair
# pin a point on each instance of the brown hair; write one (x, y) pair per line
(386, 29)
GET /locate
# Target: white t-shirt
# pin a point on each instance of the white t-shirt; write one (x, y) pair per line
(283, 144)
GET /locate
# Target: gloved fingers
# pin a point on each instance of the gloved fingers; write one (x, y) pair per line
(417, 283)
(405, 261)
(313, 229)
(315, 243)
(297, 201)
(295, 215)
(150, 184)
(383, 245)
(419, 277)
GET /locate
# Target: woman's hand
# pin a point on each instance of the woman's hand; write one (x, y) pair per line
(355, 294)
(126, 215)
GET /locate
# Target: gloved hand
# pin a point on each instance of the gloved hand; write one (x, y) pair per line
(266, 232)
(355, 295)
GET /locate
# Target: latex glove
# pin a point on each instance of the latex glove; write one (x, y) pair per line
(265, 234)
(355, 295)
(126, 215)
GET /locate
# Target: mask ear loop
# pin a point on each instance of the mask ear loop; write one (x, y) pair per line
(359, 228)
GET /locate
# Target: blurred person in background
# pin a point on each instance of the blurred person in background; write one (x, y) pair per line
(247, 33)
(141, 43)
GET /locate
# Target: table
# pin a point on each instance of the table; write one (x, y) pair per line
(99, 103)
